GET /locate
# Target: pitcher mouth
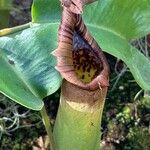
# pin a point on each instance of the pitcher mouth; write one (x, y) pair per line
(86, 63)
(82, 67)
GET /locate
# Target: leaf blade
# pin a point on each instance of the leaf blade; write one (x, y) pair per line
(45, 11)
(138, 64)
(115, 23)
(130, 19)
(10, 88)
(30, 50)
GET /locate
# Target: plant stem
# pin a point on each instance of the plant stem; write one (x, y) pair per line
(48, 128)
(8, 31)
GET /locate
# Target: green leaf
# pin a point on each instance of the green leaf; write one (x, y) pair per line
(115, 23)
(139, 65)
(128, 19)
(46, 11)
(33, 65)
(14, 87)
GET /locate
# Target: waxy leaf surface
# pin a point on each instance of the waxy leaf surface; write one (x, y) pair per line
(46, 11)
(113, 23)
(27, 71)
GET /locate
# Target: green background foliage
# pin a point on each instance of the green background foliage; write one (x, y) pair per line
(5, 7)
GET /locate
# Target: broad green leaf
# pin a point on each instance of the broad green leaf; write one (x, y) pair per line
(33, 65)
(128, 19)
(115, 23)
(46, 11)
(139, 65)
(14, 87)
